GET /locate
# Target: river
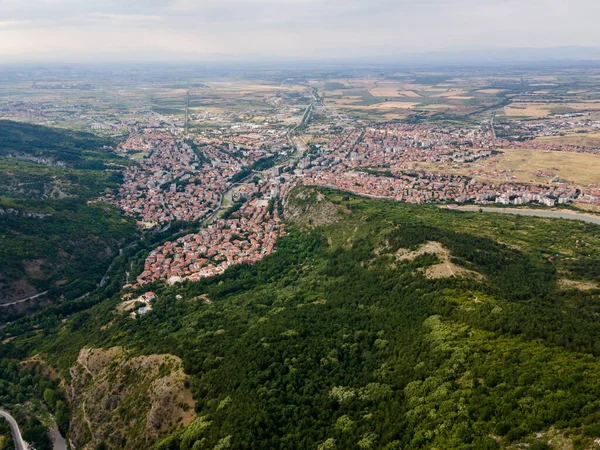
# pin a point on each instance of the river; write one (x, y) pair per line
(58, 441)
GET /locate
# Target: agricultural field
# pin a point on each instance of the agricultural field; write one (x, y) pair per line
(541, 110)
(78, 103)
(579, 168)
(408, 96)
(522, 165)
(239, 95)
(461, 96)
(562, 93)
(529, 110)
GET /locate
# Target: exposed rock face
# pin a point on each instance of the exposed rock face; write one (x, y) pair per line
(127, 402)
(309, 208)
(24, 213)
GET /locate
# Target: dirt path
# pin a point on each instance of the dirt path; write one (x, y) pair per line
(85, 417)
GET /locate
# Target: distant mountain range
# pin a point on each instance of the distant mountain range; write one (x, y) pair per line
(377, 58)
(503, 56)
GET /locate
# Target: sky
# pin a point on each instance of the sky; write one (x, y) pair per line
(198, 30)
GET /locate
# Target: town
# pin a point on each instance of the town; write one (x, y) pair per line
(228, 168)
(207, 178)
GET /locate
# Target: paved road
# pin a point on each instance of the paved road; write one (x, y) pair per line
(228, 197)
(492, 124)
(16, 302)
(294, 141)
(537, 213)
(20, 444)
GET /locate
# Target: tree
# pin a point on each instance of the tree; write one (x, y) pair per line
(50, 398)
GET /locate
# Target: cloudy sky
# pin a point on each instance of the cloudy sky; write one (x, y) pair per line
(196, 30)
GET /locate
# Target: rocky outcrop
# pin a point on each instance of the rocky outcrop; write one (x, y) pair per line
(127, 402)
(309, 208)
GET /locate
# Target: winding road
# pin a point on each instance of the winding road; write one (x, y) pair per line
(20, 444)
(16, 302)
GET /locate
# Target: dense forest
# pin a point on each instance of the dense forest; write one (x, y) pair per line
(53, 237)
(375, 325)
(71, 148)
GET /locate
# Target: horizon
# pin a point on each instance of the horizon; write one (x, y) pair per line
(449, 59)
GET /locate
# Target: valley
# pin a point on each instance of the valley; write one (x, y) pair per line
(396, 260)
(280, 337)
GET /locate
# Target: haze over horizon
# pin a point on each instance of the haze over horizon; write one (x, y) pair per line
(183, 30)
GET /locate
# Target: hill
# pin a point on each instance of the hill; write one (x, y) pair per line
(54, 146)
(53, 238)
(373, 325)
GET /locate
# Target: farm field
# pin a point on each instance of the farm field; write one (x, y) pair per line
(530, 110)
(542, 110)
(404, 96)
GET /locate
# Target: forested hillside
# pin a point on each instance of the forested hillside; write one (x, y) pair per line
(375, 325)
(59, 146)
(51, 237)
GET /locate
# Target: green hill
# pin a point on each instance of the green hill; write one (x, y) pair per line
(375, 325)
(51, 237)
(72, 148)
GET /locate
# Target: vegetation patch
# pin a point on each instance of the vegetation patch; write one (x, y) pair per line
(332, 342)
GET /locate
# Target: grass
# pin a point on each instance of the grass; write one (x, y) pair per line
(139, 155)
(527, 110)
(334, 85)
(590, 139)
(581, 168)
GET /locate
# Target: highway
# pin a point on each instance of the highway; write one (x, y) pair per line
(306, 116)
(535, 212)
(20, 444)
